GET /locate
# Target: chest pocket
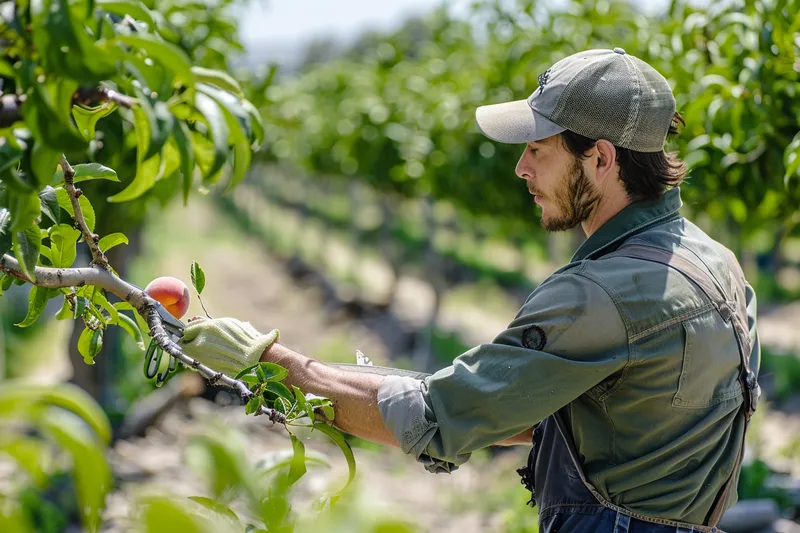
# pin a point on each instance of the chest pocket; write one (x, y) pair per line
(710, 367)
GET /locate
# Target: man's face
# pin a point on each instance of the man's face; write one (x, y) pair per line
(559, 183)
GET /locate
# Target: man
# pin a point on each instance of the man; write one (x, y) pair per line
(631, 362)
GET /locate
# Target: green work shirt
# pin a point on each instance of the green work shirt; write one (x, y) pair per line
(645, 364)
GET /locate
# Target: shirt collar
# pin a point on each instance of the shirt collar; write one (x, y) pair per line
(633, 219)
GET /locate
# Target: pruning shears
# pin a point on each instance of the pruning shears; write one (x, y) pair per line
(152, 358)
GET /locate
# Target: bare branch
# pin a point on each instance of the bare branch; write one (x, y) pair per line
(11, 104)
(101, 277)
(90, 95)
(98, 257)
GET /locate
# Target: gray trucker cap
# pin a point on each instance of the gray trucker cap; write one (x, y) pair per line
(600, 94)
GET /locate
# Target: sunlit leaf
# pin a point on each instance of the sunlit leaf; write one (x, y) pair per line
(83, 201)
(220, 78)
(88, 171)
(133, 8)
(168, 55)
(63, 239)
(218, 127)
(86, 118)
(111, 240)
(89, 344)
(198, 277)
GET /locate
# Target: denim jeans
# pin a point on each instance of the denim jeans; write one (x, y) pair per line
(567, 505)
(596, 518)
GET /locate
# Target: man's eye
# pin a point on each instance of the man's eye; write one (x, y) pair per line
(533, 150)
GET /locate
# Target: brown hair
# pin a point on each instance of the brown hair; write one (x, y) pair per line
(645, 175)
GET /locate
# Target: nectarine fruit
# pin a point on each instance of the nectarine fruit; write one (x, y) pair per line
(171, 292)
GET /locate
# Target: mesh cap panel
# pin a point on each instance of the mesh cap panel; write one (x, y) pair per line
(621, 99)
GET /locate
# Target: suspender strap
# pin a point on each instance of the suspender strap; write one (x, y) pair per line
(731, 303)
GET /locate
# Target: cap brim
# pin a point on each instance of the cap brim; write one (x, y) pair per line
(514, 123)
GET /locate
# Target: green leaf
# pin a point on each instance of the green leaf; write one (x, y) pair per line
(30, 453)
(89, 171)
(238, 122)
(270, 371)
(159, 120)
(297, 468)
(90, 471)
(86, 118)
(147, 173)
(222, 511)
(89, 344)
(336, 436)
(7, 281)
(5, 231)
(97, 296)
(186, 150)
(135, 9)
(224, 461)
(129, 325)
(63, 239)
(256, 122)
(65, 312)
(253, 404)
(50, 207)
(26, 245)
(141, 322)
(44, 162)
(86, 206)
(44, 251)
(161, 514)
(198, 277)
(15, 400)
(10, 154)
(281, 390)
(111, 240)
(26, 208)
(81, 303)
(218, 126)
(221, 79)
(37, 300)
(301, 401)
(48, 116)
(168, 55)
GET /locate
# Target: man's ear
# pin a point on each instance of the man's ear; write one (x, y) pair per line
(605, 159)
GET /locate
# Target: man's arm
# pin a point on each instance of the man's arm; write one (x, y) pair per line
(354, 394)
(567, 338)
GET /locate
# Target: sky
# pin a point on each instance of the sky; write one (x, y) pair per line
(276, 30)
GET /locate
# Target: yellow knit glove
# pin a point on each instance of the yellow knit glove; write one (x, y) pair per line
(225, 344)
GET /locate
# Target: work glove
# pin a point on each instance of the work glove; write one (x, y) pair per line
(225, 344)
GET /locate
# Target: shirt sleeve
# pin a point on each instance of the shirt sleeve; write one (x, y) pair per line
(567, 338)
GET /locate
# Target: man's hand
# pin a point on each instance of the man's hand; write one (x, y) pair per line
(225, 344)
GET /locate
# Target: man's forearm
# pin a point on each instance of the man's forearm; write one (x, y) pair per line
(354, 395)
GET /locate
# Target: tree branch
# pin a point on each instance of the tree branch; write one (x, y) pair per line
(99, 276)
(98, 257)
(11, 104)
(90, 95)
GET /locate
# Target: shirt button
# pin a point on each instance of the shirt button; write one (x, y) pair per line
(620, 51)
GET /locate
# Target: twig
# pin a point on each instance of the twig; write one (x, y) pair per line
(88, 95)
(11, 104)
(101, 277)
(98, 257)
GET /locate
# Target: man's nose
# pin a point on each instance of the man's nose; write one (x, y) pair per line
(521, 170)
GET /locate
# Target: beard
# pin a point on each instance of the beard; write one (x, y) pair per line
(575, 200)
